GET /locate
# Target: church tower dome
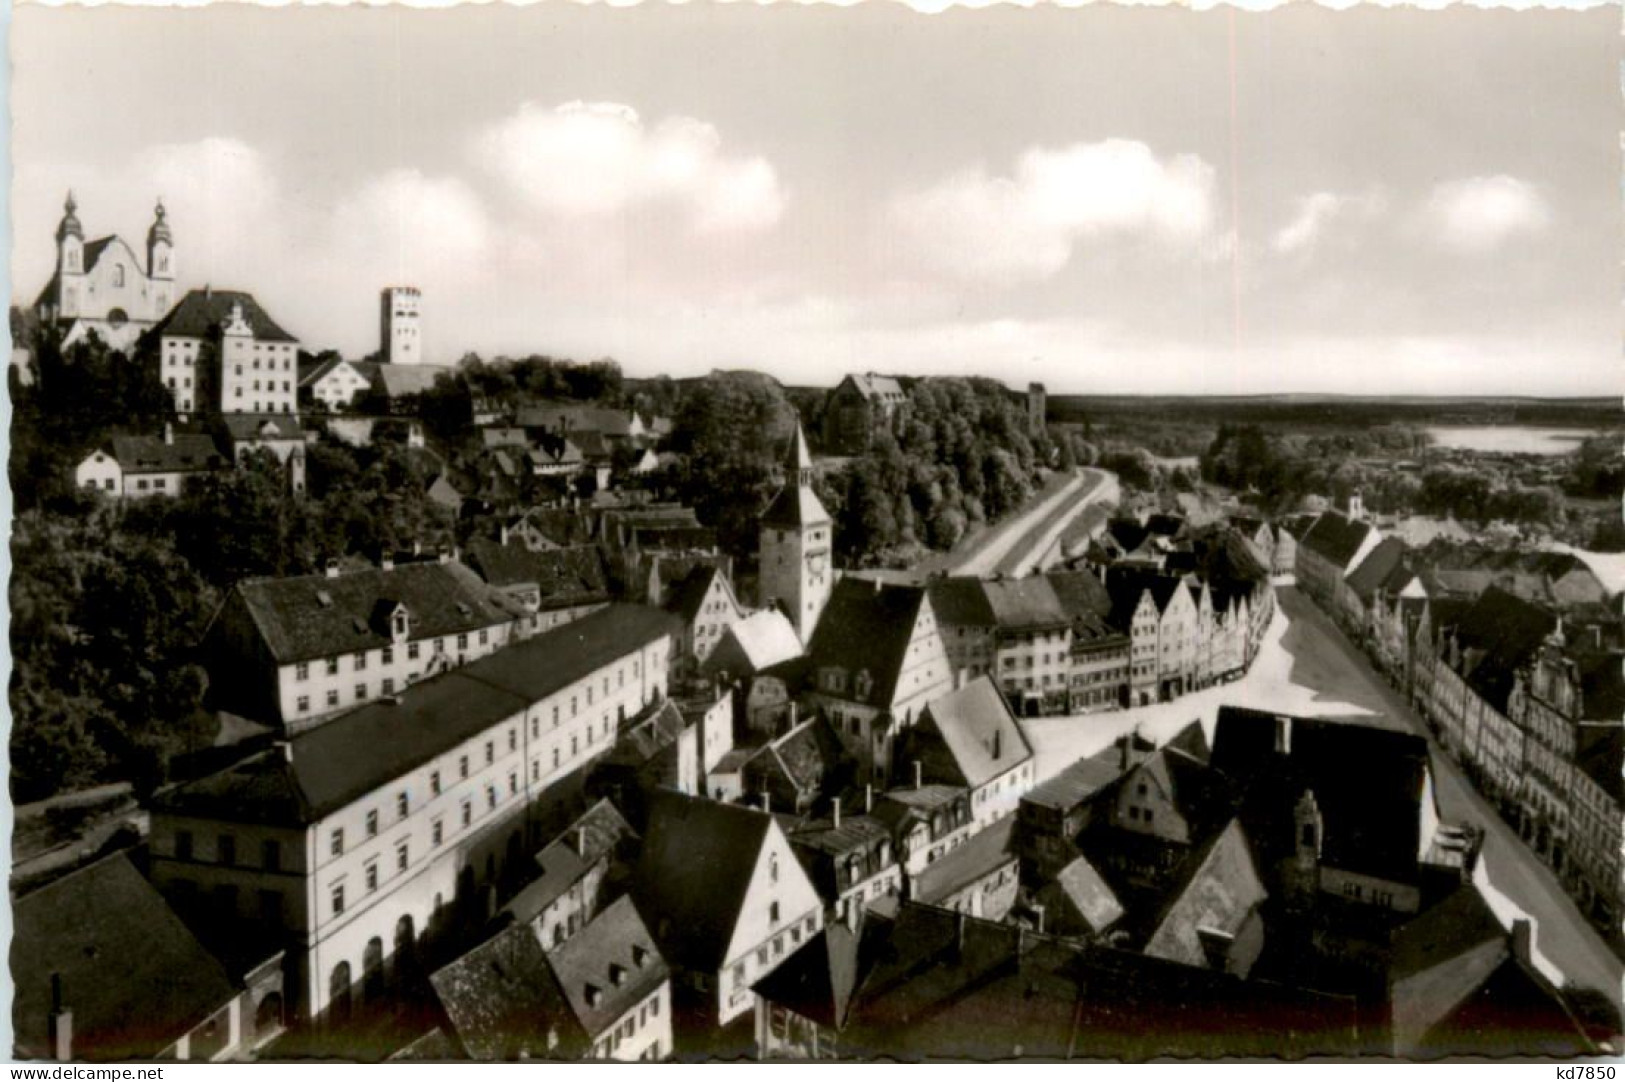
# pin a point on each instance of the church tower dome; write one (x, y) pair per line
(69, 226)
(160, 258)
(160, 226)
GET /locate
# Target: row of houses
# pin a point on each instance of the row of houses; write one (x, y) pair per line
(1515, 660)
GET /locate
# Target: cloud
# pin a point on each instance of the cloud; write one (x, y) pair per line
(1025, 226)
(596, 159)
(410, 226)
(1478, 214)
(1320, 213)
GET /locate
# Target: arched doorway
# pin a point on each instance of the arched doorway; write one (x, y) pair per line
(405, 959)
(372, 970)
(338, 993)
(268, 1015)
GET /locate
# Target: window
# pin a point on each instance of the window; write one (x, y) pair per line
(271, 855)
(389, 655)
(490, 796)
(183, 845)
(468, 812)
(338, 899)
(773, 870)
(226, 851)
(411, 651)
(589, 695)
(484, 637)
(332, 666)
(462, 765)
(434, 782)
(513, 740)
(556, 755)
(513, 782)
(372, 876)
(437, 832)
(372, 824)
(555, 717)
(490, 752)
(303, 704)
(403, 805)
(462, 641)
(773, 913)
(360, 661)
(335, 845)
(301, 671)
(402, 857)
(388, 686)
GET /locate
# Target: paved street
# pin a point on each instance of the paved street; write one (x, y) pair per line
(1306, 667)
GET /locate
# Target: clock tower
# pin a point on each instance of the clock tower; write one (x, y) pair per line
(796, 573)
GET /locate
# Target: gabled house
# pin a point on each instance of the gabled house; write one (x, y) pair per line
(874, 662)
(103, 969)
(1213, 918)
(969, 740)
(793, 770)
(729, 898)
(603, 994)
(1359, 596)
(139, 466)
(573, 867)
(704, 600)
(1461, 984)
(335, 383)
(851, 860)
(855, 408)
(552, 587)
(1333, 546)
(1162, 617)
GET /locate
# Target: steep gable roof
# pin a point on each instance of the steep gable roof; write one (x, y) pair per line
(867, 626)
(569, 856)
(608, 967)
(688, 594)
(1089, 895)
(1379, 564)
(135, 978)
(694, 870)
(1223, 891)
(503, 1000)
(960, 601)
(1025, 604)
(1336, 538)
(979, 732)
(565, 576)
(818, 981)
(760, 641)
(186, 452)
(1499, 633)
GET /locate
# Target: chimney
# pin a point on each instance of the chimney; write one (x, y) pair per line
(959, 933)
(877, 584)
(868, 798)
(1520, 939)
(919, 775)
(387, 562)
(1283, 735)
(1123, 742)
(332, 570)
(169, 434)
(792, 714)
(1038, 914)
(837, 813)
(503, 533)
(767, 803)
(581, 841)
(60, 1023)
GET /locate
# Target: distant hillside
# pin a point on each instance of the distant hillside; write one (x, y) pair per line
(1340, 410)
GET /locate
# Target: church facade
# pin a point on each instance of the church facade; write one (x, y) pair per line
(104, 286)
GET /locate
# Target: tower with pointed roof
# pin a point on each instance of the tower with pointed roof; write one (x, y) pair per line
(796, 571)
(160, 248)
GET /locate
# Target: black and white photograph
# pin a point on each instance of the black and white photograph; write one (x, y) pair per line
(695, 532)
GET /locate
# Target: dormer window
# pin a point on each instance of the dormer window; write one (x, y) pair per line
(640, 957)
(863, 684)
(593, 995)
(400, 624)
(617, 974)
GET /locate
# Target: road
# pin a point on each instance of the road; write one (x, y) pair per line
(1306, 667)
(1032, 530)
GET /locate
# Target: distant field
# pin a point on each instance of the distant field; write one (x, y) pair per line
(1337, 410)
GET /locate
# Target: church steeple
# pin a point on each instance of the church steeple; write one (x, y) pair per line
(160, 249)
(798, 467)
(795, 573)
(69, 226)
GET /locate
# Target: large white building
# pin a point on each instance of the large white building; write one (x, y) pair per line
(400, 325)
(356, 841)
(218, 349)
(104, 286)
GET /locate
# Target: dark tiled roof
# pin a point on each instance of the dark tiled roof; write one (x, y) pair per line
(244, 427)
(573, 575)
(135, 978)
(817, 982)
(401, 380)
(575, 418)
(1379, 564)
(804, 757)
(960, 601)
(1602, 683)
(202, 311)
(608, 967)
(1081, 594)
(1222, 893)
(1127, 585)
(1336, 537)
(503, 1000)
(1499, 634)
(985, 852)
(1601, 755)
(867, 626)
(315, 616)
(150, 454)
(568, 857)
(1078, 783)
(688, 593)
(1025, 604)
(1367, 783)
(693, 873)
(795, 506)
(344, 759)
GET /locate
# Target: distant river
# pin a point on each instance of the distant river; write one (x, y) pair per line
(1509, 439)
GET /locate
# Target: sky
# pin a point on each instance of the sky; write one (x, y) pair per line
(1107, 199)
